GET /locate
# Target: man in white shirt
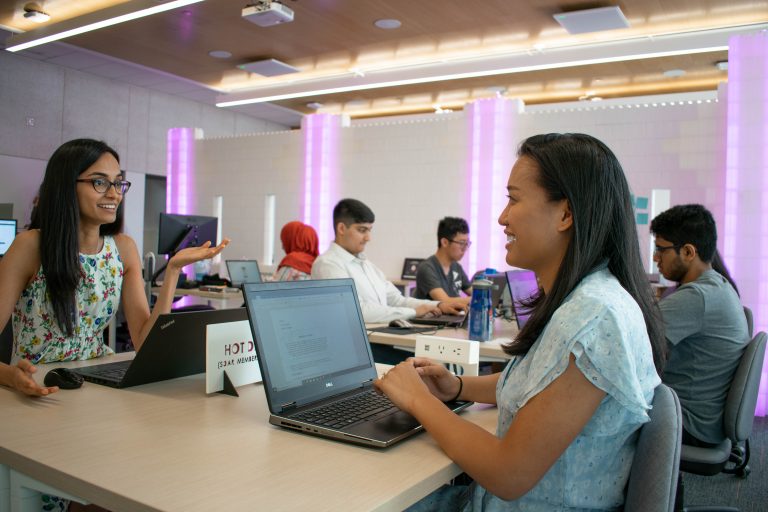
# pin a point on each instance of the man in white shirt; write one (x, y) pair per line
(380, 300)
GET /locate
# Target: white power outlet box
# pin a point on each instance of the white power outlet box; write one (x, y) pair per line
(464, 353)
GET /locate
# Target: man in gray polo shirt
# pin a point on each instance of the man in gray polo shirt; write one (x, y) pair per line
(441, 276)
(705, 325)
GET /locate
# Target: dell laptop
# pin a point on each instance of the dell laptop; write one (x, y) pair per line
(175, 347)
(317, 366)
(522, 286)
(243, 272)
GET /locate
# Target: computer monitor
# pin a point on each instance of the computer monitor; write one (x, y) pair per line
(522, 286)
(7, 234)
(243, 272)
(410, 266)
(178, 232)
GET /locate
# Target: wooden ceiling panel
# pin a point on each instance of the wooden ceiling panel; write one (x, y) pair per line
(328, 37)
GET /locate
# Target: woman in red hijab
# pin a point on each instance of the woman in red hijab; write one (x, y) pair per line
(301, 248)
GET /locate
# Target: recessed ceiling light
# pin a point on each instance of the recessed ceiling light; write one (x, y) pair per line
(220, 54)
(34, 12)
(314, 105)
(722, 65)
(674, 73)
(592, 20)
(388, 23)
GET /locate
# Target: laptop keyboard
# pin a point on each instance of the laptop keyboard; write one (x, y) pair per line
(111, 370)
(349, 411)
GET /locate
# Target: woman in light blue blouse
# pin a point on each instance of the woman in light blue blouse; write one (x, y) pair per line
(585, 366)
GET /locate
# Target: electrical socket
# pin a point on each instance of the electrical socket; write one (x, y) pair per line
(448, 350)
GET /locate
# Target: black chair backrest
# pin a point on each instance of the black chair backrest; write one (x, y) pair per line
(653, 478)
(6, 343)
(742, 397)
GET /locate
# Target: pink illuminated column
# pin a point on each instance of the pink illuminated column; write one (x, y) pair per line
(745, 237)
(321, 168)
(492, 142)
(180, 168)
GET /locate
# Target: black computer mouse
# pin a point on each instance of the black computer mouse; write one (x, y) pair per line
(64, 378)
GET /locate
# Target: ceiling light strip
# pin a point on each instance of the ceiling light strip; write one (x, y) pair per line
(473, 74)
(31, 39)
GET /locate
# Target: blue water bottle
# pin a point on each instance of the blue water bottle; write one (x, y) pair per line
(480, 311)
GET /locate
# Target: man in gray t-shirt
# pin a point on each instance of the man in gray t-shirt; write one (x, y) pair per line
(441, 276)
(705, 325)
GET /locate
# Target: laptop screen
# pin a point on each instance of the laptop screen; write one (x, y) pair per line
(243, 271)
(522, 285)
(310, 339)
(410, 267)
(7, 234)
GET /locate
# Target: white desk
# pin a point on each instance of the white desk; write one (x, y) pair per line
(168, 446)
(503, 331)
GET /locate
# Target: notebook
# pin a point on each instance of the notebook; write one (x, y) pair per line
(317, 365)
(410, 266)
(522, 286)
(175, 347)
(243, 272)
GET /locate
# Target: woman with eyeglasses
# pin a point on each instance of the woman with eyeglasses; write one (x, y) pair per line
(583, 369)
(63, 282)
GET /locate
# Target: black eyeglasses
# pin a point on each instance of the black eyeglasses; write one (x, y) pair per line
(658, 249)
(101, 185)
(461, 243)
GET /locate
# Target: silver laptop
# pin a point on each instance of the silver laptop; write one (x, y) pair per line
(522, 286)
(317, 365)
(243, 272)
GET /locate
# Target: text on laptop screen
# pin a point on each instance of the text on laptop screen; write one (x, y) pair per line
(245, 271)
(522, 286)
(7, 234)
(310, 335)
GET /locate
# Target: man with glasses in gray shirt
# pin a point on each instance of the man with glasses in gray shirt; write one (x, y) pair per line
(441, 276)
(706, 328)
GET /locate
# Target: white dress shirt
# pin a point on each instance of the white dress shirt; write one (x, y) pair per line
(379, 299)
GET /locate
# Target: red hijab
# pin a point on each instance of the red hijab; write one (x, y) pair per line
(301, 246)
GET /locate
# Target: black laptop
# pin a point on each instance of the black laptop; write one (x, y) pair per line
(175, 347)
(441, 320)
(317, 365)
(522, 286)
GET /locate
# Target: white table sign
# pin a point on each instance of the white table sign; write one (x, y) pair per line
(230, 347)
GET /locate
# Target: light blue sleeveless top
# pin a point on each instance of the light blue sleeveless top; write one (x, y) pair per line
(603, 327)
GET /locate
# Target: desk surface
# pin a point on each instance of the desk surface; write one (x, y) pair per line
(503, 332)
(169, 446)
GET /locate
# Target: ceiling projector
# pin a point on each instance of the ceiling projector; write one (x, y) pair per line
(267, 13)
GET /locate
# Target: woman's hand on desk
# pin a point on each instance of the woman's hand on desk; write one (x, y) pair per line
(192, 254)
(414, 380)
(21, 379)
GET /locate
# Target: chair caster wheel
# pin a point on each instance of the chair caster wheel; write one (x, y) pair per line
(743, 472)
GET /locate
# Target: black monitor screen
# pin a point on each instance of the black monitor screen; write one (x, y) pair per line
(178, 232)
(7, 234)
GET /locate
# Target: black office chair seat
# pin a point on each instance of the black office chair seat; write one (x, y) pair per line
(705, 461)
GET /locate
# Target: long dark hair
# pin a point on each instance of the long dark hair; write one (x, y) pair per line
(58, 216)
(718, 265)
(582, 170)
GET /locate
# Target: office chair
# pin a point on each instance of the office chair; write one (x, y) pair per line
(6, 343)
(653, 477)
(750, 321)
(739, 417)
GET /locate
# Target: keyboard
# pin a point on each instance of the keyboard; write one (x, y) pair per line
(347, 412)
(110, 370)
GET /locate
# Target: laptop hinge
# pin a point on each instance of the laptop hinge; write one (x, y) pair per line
(288, 406)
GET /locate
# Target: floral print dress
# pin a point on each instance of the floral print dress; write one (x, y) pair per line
(37, 336)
